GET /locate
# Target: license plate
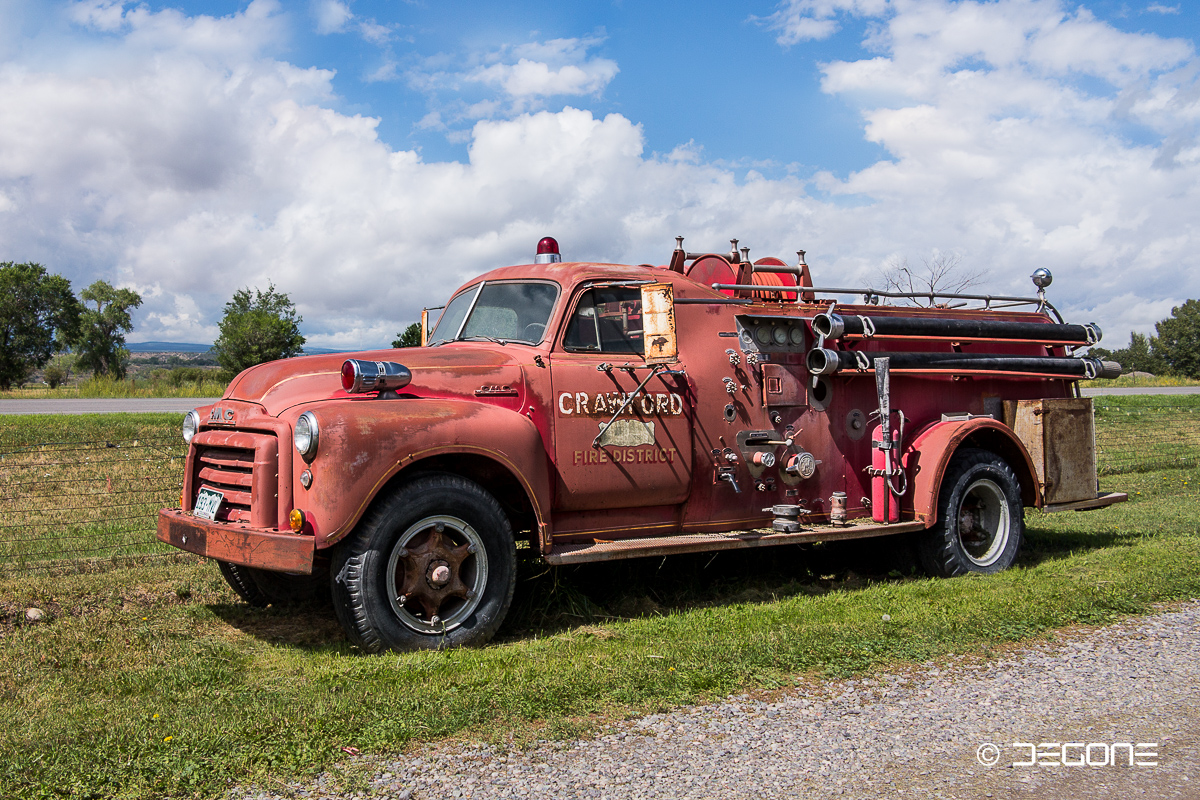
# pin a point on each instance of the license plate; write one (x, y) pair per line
(207, 503)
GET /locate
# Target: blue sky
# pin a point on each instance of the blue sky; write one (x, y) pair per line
(366, 157)
(689, 72)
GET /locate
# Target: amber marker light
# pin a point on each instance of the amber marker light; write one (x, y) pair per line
(296, 520)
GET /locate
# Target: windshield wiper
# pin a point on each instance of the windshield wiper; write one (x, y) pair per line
(486, 338)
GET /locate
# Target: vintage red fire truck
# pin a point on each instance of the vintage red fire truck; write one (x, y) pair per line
(601, 411)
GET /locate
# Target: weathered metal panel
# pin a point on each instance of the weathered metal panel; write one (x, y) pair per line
(375, 439)
(1059, 434)
(237, 544)
(781, 387)
(626, 433)
(1027, 425)
(1070, 450)
(712, 542)
(927, 457)
(1099, 501)
(256, 472)
(658, 324)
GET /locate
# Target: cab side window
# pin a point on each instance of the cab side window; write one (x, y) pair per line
(607, 320)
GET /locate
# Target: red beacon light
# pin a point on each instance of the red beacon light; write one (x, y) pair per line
(547, 251)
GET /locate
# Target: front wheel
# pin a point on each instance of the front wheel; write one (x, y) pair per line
(432, 566)
(980, 518)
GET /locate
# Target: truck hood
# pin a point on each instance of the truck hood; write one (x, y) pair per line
(456, 370)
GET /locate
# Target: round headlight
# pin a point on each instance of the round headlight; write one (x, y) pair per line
(191, 424)
(306, 435)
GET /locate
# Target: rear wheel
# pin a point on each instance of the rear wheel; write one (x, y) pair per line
(432, 566)
(980, 517)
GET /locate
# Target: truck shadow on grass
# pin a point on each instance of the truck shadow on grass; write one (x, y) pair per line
(549, 601)
(554, 600)
(308, 626)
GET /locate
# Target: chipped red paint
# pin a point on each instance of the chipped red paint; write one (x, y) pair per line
(929, 454)
(521, 420)
(237, 543)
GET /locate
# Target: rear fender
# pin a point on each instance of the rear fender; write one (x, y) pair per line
(365, 444)
(927, 457)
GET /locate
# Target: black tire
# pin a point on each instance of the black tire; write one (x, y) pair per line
(430, 567)
(287, 589)
(243, 584)
(981, 520)
(262, 587)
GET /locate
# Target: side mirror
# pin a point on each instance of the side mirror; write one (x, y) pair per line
(658, 323)
(424, 327)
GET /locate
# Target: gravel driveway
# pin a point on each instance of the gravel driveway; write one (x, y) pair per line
(919, 732)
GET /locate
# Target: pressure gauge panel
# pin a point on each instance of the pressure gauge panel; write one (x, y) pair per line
(772, 334)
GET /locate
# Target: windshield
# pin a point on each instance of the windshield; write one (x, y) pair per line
(504, 312)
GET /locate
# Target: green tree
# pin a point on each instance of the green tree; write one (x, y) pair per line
(38, 314)
(103, 329)
(411, 337)
(257, 327)
(1138, 356)
(1178, 340)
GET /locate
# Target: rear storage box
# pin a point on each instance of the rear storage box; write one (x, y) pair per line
(1060, 435)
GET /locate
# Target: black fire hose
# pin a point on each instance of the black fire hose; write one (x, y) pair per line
(822, 361)
(834, 326)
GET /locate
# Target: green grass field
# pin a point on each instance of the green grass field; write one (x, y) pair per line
(1137, 381)
(210, 386)
(154, 681)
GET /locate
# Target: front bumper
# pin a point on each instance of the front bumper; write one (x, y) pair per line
(237, 544)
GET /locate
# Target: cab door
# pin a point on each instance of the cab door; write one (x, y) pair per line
(644, 458)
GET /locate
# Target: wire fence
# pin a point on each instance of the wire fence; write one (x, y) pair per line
(71, 503)
(90, 504)
(1131, 438)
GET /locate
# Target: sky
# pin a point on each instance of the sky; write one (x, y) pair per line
(369, 156)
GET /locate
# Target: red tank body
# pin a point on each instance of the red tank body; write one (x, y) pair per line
(523, 407)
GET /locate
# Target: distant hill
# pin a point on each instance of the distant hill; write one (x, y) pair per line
(167, 347)
(192, 347)
(322, 351)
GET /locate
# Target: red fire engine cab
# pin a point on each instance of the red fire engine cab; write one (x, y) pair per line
(602, 411)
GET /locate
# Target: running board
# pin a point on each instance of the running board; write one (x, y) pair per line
(712, 542)
(1099, 501)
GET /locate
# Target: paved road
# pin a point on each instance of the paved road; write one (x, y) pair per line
(137, 405)
(949, 730)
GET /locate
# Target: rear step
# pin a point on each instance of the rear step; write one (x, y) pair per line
(711, 542)
(1099, 501)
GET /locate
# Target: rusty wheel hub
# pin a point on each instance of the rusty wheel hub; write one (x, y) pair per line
(436, 574)
(984, 523)
(968, 526)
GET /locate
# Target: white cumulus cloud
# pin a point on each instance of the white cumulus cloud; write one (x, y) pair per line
(523, 77)
(331, 15)
(176, 155)
(804, 20)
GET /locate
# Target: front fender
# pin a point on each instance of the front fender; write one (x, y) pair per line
(927, 457)
(364, 443)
